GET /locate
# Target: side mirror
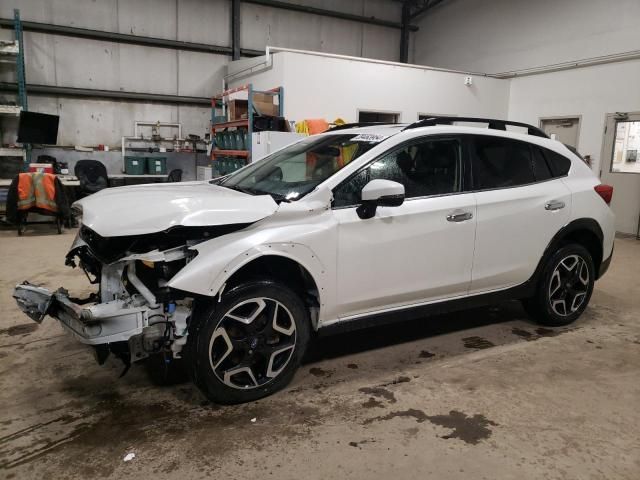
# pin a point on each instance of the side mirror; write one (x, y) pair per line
(380, 193)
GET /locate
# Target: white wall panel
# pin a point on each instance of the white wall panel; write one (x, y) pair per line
(83, 63)
(339, 88)
(591, 92)
(502, 35)
(204, 21)
(200, 74)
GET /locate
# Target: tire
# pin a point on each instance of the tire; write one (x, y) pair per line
(249, 344)
(565, 288)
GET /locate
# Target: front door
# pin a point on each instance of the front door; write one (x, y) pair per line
(620, 168)
(418, 252)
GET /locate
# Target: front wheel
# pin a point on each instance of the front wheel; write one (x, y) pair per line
(565, 288)
(250, 344)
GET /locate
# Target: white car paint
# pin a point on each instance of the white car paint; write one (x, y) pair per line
(142, 209)
(402, 257)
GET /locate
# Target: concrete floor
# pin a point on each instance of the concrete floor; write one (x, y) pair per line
(482, 394)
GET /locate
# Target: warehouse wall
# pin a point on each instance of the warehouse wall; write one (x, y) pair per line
(494, 36)
(591, 92)
(340, 87)
(73, 62)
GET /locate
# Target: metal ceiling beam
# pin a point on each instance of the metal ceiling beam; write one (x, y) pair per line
(127, 38)
(330, 13)
(107, 94)
(428, 5)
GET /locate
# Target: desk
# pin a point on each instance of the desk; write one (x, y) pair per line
(125, 176)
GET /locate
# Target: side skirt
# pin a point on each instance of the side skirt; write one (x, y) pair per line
(519, 292)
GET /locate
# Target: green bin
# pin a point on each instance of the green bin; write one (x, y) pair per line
(135, 165)
(157, 165)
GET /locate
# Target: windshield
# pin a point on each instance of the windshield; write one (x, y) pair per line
(294, 171)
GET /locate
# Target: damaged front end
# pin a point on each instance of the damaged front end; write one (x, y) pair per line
(134, 314)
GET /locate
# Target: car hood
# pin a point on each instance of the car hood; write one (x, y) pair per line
(143, 209)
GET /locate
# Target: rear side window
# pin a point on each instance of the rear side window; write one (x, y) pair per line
(559, 164)
(501, 162)
(541, 168)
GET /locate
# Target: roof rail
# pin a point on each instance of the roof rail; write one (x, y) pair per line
(494, 124)
(345, 126)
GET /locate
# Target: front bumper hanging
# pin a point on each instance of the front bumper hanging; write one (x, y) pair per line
(92, 324)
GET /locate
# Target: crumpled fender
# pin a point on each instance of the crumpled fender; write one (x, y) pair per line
(216, 262)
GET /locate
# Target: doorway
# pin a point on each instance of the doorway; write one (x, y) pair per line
(620, 165)
(368, 116)
(563, 129)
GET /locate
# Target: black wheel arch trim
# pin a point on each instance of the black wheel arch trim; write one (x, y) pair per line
(580, 224)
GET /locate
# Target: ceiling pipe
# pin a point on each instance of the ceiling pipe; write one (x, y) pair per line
(330, 13)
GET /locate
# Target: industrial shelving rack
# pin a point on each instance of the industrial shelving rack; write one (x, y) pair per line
(220, 101)
(13, 52)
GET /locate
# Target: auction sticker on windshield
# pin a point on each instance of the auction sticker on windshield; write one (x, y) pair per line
(369, 137)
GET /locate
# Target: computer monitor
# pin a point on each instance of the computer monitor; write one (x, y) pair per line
(38, 128)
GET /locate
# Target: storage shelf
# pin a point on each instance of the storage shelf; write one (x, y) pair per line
(12, 152)
(10, 110)
(234, 153)
(232, 123)
(9, 48)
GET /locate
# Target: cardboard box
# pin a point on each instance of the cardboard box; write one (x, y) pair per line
(238, 109)
(264, 104)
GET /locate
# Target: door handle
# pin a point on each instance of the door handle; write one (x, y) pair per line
(459, 216)
(554, 205)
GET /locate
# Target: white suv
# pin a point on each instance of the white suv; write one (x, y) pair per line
(359, 225)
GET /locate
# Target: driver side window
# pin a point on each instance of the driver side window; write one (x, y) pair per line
(427, 167)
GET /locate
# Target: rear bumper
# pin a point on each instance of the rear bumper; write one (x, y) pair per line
(92, 324)
(604, 266)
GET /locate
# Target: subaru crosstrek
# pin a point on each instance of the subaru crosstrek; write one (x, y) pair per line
(359, 225)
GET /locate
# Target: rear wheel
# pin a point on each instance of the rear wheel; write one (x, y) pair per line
(250, 344)
(565, 288)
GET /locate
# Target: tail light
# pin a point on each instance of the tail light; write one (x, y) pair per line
(605, 191)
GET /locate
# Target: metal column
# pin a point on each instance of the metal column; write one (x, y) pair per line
(235, 29)
(404, 33)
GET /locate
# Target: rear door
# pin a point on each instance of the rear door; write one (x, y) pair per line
(521, 205)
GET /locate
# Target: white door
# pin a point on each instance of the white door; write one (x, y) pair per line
(418, 252)
(520, 207)
(564, 130)
(620, 168)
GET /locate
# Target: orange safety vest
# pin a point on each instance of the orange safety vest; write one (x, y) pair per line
(37, 190)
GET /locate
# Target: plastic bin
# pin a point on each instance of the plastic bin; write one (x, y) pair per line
(157, 165)
(135, 165)
(239, 140)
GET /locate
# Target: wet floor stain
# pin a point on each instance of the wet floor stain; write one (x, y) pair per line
(525, 334)
(416, 414)
(352, 366)
(361, 442)
(469, 429)
(319, 372)
(548, 332)
(478, 343)
(396, 381)
(373, 403)
(379, 392)
(22, 329)
(426, 354)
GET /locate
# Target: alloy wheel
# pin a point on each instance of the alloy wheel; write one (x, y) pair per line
(569, 285)
(252, 343)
